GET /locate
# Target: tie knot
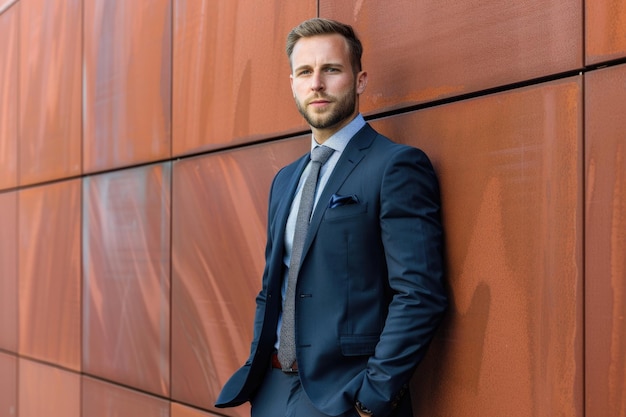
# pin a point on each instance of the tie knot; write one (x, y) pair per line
(321, 154)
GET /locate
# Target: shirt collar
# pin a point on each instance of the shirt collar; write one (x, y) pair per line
(340, 139)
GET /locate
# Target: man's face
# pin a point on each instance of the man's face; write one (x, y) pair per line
(324, 85)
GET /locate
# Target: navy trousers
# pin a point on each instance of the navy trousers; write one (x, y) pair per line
(281, 394)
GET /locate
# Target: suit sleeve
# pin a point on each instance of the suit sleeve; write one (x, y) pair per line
(412, 236)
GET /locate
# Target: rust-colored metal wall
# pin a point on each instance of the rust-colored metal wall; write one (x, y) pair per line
(605, 37)
(8, 98)
(49, 49)
(605, 231)
(47, 390)
(513, 214)
(8, 271)
(49, 273)
(138, 141)
(420, 51)
(230, 73)
(127, 79)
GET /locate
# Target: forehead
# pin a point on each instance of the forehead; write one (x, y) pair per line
(320, 49)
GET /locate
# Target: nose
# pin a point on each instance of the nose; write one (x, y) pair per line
(317, 83)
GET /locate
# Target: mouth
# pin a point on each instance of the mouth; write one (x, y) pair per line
(318, 102)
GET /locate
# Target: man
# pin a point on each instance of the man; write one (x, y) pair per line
(354, 300)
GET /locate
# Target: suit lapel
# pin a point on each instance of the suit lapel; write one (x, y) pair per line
(353, 154)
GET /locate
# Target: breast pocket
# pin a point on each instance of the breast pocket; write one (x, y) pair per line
(342, 212)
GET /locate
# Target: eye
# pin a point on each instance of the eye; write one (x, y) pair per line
(303, 72)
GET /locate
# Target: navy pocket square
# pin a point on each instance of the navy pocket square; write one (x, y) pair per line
(337, 200)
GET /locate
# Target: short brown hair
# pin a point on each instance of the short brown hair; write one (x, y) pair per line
(320, 26)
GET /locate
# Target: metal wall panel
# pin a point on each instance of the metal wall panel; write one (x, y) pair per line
(605, 234)
(126, 278)
(231, 74)
(605, 30)
(510, 167)
(49, 273)
(8, 271)
(8, 97)
(49, 90)
(533, 195)
(219, 231)
(419, 51)
(47, 391)
(8, 385)
(127, 75)
(101, 399)
(182, 411)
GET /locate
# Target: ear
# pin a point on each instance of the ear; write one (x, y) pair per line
(361, 82)
(291, 83)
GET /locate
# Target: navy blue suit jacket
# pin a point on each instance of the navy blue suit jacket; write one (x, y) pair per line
(370, 288)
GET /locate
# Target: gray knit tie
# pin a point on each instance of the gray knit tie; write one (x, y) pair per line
(287, 346)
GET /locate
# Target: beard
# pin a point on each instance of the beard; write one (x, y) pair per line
(344, 107)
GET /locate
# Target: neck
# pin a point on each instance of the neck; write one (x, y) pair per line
(322, 135)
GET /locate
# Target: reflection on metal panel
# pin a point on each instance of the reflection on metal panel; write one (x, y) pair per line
(126, 285)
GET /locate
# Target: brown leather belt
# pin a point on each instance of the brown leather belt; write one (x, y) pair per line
(276, 364)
